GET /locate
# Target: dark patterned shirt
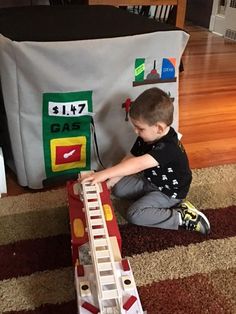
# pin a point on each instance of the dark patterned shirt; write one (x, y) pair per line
(172, 176)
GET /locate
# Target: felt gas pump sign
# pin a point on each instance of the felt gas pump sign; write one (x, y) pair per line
(66, 132)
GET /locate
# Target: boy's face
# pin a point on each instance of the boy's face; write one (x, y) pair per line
(148, 133)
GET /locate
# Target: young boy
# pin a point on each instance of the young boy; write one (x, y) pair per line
(156, 175)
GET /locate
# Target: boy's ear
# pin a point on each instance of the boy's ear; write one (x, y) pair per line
(160, 127)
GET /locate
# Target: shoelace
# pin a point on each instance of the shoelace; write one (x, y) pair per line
(190, 225)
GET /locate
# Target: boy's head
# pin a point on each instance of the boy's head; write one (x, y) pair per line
(151, 114)
(152, 106)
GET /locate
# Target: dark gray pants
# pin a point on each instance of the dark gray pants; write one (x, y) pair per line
(151, 208)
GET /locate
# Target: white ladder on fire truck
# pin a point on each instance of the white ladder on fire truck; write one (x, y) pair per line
(101, 250)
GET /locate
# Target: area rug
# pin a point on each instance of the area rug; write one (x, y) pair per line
(175, 271)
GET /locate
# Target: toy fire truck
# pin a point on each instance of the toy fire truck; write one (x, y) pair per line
(104, 281)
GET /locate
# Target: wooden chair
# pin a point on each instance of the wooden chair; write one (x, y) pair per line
(162, 13)
(180, 6)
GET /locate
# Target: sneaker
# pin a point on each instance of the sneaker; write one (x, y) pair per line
(193, 219)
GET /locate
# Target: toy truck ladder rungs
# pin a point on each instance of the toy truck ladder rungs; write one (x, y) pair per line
(101, 250)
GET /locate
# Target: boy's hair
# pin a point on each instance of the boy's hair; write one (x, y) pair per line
(152, 106)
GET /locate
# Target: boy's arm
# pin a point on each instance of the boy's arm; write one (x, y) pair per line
(126, 167)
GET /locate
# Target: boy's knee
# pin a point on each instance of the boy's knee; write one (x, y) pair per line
(119, 191)
(129, 187)
(133, 216)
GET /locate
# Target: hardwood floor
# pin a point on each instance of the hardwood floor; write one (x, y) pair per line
(207, 102)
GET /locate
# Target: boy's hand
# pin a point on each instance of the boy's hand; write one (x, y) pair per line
(95, 177)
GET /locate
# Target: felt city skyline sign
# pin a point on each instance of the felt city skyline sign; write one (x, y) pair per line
(163, 72)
